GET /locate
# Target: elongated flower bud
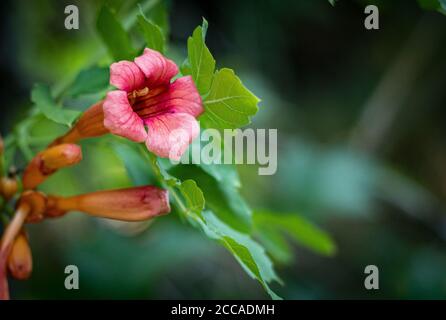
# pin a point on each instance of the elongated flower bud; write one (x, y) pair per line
(49, 161)
(90, 124)
(133, 204)
(8, 187)
(20, 262)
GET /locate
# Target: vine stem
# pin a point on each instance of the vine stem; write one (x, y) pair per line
(7, 241)
(178, 202)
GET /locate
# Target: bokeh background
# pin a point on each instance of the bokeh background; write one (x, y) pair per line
(362, 150)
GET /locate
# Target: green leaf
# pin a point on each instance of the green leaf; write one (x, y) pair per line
(158, 13)
(91, 80)
(222, 197)
(276, 245)
(152, 33)
(224, 173)
(297, 228)
(42, 98)
(201, 63)
(114, 36)
(193, 195)
(332, 2)
(248, 253)
(42, 131)
(229, 104)
(220, 185)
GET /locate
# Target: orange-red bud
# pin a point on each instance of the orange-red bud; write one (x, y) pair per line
(8, 187)
(133, 204)
(90, 124)
(60, 156)
(20, 262)
(49, 161)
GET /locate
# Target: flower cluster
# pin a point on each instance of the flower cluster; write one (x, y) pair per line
(146, 107)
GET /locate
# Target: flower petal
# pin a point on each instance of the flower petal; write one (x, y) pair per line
(157, 69)
(181, 96)
(120, 119)
(127, 76)
(171, 133)
(184, 97)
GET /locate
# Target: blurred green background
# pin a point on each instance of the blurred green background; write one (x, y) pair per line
(362, 150)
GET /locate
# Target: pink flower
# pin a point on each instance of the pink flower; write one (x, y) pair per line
(147, 97)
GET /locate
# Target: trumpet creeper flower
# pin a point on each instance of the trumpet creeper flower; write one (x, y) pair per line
(146, 97)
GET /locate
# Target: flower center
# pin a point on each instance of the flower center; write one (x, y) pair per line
(147, 102)
(137, 93)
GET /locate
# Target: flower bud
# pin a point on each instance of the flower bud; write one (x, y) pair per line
(61, 156)
(90, 124)
(20, 262)
(133, 204)
(8, 187)
(49, 161)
